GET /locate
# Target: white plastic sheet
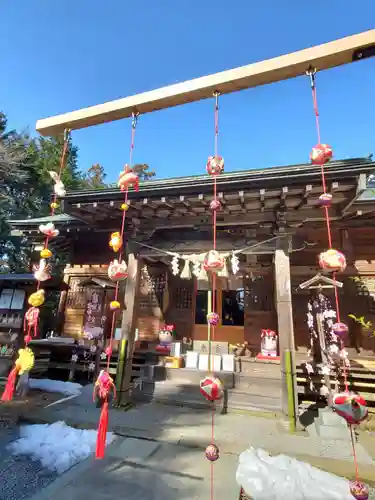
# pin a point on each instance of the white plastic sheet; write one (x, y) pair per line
(264, 477)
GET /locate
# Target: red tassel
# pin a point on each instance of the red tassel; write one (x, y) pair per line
(10, 385)
(102, 432)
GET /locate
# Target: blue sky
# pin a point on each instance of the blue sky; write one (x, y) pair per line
(61, 56)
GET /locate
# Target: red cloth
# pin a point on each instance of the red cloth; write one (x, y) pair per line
(10, 385)
(102, 432)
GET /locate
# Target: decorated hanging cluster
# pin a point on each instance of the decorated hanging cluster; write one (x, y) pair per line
(42, 273)
(104, 389)
(352, 407)
(201, 265)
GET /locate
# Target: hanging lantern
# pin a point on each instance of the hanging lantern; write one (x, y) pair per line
(212, 453)
(215, 165)
(213, 319)
(128, 179)
(211, 388)
(215, 205)
(321, 154)
(325, 200)
(116, 241)
(213, 262)
(359, 490)
(114, 305)
(117, 271)
(340, 329)
(49, 230)
(42, 271)
(332, 260)
(36, 299)
(350, 406)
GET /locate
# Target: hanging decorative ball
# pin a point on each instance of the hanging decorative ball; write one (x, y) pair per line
(108, 351)
(124, 206)
(321, 154)
(114, 305)
(213, 262)
(36, 299)
(27, 339)
(213, 319)
(211, 388)
(46, 253)
(352, 407)
(340, 329)
(359, 490)
(215, 165)
(116, 241)
(325, 200)
(332, 260)
(212, 453)
(117, 271)
(104, 389)
(54, 205)
(215, 205)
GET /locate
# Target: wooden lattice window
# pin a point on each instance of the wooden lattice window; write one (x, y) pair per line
(366, 288)
(76, 298)
(184, 298)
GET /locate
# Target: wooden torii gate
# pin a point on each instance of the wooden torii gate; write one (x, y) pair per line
(322, 57)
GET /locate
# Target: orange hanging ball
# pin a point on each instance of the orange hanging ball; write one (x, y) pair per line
(321, 154)
(115, 242)
(332, 260)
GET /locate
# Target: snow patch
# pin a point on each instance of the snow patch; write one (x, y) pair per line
(57, 446)
(45, 384)
(276, 478)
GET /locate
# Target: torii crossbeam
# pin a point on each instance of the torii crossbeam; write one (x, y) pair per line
(321, 57)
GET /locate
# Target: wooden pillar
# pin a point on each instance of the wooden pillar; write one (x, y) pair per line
(284, 311)
(60, 320)
(128, 326)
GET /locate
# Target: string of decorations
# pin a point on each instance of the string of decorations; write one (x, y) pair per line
(42, 272)
(104, 388)
(213, 263)
(352, 407)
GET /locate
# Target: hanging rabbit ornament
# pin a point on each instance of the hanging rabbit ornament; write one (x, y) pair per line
(24, 363)
(59, 188)
(104, 392)
(42, 271)
(128, 179)
(352, 407)
(49, 230)
(117, 271)
(213, 262)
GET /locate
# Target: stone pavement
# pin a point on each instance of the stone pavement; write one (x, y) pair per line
(159, 451)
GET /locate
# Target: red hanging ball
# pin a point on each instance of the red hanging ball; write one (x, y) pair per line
(215, 165)
(211, 388)
(108, 351)
(212, 453)
(352, 407)
(359, 490)
(27, 339)
(213, 262)
(215, 205)
(321, 154)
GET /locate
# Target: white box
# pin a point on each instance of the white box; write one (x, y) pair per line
(203, 362)
(228, 362)
(191, 359)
